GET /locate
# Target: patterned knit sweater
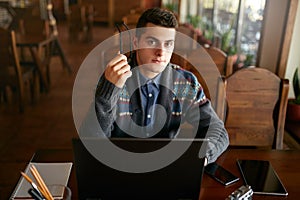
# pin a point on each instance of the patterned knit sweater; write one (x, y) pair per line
(181, 99)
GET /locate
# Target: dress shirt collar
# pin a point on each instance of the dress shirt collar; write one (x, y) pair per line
(155, 80)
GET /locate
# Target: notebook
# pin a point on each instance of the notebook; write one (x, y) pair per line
(52, 174)
(180, 179)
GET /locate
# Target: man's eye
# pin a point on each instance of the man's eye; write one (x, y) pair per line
(169, 44)
(151, 42)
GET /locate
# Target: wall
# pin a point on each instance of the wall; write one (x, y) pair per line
(294, 55)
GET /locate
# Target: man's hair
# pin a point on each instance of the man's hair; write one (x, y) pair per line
(157, 16)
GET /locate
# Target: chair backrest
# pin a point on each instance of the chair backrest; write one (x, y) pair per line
(185, 40)
(132, 18)
(10, 69)
(31, 23)
(39, 19)
(256, 107)
(222, 61)
(9, 59)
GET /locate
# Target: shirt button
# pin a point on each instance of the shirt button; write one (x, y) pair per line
(150, 95)
(148, 116)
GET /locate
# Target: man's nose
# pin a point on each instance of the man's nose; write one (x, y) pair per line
(160, 49)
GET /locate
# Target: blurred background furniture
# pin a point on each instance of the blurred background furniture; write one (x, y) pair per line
(35, 41)
(181, 48)
(222, 61)
(256, 107)
(35, 19)
(13, 76)
(108, 12)
(132, 18)
(80, 22)
(46, 10)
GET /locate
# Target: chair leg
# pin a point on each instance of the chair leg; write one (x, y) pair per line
(21, 97)
(2, 94)
(6, 91)
(87, 33)
(57, 50)
(35, 88)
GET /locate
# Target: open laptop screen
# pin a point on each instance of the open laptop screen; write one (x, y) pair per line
(179, 180)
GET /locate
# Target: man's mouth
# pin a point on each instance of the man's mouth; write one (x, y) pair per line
(157, 61)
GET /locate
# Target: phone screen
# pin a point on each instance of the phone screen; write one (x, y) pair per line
(220, 174)
(261, 176)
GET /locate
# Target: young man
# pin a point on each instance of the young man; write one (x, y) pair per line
(149, 96)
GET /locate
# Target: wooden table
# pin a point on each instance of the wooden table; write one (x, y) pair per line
(35, 43)
(286, 163)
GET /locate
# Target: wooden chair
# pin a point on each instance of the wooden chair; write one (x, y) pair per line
(256, 107)
(40, 21)
(222, 61)
(189, 48)
(32, 25)
(56, 49)
(187, 35)
(80, 22)
(12, 74)
(132, 18)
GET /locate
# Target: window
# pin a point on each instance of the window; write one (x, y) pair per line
(251, 16)
(236, 23)
(232, 25)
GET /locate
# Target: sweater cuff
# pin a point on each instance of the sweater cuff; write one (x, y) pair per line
(106, 89)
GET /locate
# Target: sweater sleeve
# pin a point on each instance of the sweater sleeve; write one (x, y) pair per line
(106, 99)
(215, 132)
(208, 125)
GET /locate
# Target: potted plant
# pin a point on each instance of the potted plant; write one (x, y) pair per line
(293, 107)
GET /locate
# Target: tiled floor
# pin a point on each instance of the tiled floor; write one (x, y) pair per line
(49, 123)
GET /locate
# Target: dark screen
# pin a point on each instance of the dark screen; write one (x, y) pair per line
(220, 174)
(261, 176)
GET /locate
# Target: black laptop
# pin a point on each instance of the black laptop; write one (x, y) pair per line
(179, 180)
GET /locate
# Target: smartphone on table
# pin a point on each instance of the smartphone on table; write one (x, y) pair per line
(220, 174)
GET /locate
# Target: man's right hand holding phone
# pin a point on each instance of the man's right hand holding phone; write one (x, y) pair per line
(118, 70)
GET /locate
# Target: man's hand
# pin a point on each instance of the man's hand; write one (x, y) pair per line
(118, 71)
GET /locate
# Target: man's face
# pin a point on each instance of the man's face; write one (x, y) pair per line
(154, 49)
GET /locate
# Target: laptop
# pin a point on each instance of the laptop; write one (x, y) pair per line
(180, 179)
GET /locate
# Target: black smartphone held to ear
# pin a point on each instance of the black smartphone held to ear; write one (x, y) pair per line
(220, 174)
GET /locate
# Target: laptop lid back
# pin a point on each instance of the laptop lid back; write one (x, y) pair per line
(180, 179)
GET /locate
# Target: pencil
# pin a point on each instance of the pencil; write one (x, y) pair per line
(41, 183)
(38, 189)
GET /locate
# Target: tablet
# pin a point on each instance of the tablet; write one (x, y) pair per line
(262, 178)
